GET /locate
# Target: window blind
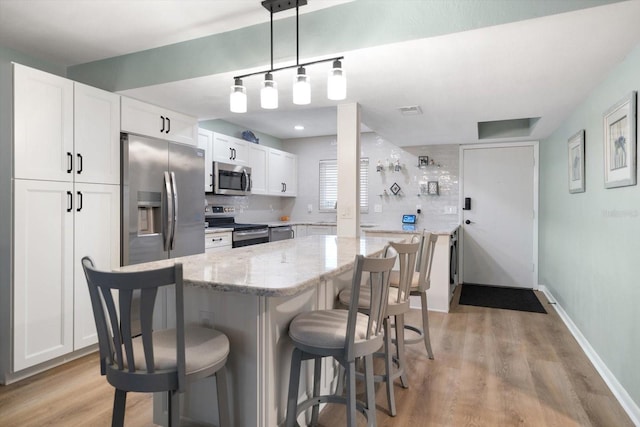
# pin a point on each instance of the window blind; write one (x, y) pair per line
(329, 185)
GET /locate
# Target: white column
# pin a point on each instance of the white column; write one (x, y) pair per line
(348, 128)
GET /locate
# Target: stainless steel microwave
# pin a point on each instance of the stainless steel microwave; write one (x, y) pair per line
(232, 180)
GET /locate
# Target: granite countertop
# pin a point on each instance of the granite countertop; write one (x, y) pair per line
(282, 268)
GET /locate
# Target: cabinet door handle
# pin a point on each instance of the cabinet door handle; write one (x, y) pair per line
(79, 163)
(168, 125)
(69, 162)
(285, 187)
(234, 154)
(70, 201)
(162, 118)
(216, 240)
(79, 201)
(211, 180)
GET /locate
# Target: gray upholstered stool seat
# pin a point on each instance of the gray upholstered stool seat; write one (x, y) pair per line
(327, 329)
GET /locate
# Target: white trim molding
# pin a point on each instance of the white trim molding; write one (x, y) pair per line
(627, 403)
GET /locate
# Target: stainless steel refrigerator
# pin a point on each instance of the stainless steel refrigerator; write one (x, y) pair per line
(162, 199)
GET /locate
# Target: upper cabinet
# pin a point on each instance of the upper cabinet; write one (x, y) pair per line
(228, 149)
(258, 157)
(64, 131)
(43, 125)
(283, 173)
(150, 120)
(96, 135)
(205, 142)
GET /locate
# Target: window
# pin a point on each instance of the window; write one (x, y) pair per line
(329, 185)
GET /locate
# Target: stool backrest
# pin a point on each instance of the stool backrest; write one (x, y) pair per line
(407, 257)
(115, 323)
(426, 260)
(374, 272)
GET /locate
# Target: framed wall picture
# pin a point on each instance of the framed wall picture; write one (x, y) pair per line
(576, 162)
(620, 143)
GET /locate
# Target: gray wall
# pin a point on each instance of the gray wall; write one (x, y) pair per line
(6, 203)
(590, 242)
(311, 150)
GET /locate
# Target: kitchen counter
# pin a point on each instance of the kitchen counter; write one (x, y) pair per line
(439, 229)
(282, 268)
(251, 294)
(208, 230)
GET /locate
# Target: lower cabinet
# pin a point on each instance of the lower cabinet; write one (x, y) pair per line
(56, 224)
(217, 241)
(315, 230)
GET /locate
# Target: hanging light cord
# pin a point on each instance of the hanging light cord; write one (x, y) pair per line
(297, 44)
(271, 38)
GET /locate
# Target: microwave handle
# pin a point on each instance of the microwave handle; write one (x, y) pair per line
(246, 181)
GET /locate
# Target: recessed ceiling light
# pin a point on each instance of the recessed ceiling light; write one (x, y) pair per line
(298, 127)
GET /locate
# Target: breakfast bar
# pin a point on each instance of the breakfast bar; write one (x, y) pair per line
(251, 294)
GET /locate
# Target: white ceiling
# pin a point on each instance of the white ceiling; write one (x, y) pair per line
(542, 67)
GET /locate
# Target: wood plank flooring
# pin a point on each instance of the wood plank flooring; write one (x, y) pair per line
(492, 368)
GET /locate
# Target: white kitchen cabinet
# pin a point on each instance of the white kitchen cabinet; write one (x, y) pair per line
(52, 310)
(43, 272)
(97, 234)
(228, 149)
(300, 230)
(217, 241)
(56, 118)
(258, 158)
(150, 120)
(64, 131)
(205, 142)
(96, 135)
(43, 125)
(283, 173)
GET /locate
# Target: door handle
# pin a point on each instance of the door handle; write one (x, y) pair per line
(79, 201)
(168, 124)
(467, 222)
(79, 163)
(174, 190)
(162, 118)
(70, 162)
(70, 201)
(167, 225)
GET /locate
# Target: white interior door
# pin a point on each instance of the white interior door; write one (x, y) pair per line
(498, 230)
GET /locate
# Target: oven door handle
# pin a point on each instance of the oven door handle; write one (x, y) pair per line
(263, 232)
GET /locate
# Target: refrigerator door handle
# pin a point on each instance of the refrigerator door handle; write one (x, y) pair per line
(167, 226)
(174, 191)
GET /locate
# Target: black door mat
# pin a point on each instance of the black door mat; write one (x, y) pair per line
(499, 297)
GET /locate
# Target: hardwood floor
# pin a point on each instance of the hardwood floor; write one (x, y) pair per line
(492, 368)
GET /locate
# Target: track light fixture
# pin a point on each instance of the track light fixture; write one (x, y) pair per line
(336, 82)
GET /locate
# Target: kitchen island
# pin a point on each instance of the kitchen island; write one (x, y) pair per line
(251, 294)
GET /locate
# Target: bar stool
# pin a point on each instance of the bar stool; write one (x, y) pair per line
(397, 306)
(345, 335)
(420, 284)
(161, 360)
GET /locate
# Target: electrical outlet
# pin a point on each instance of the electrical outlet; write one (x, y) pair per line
(309, 208)
(450, 209)
(377, 208)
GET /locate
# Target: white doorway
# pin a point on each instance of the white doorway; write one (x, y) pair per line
(499, 230)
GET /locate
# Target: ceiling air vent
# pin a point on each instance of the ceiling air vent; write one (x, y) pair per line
(412, 110)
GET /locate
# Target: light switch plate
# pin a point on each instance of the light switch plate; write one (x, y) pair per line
(377, 208)
(450, 209)
(309, 208)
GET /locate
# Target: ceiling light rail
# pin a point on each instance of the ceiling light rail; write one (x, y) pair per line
(336, 82)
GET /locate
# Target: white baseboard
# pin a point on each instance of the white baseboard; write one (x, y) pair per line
(630, 407)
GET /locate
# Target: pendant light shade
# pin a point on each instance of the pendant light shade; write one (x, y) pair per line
(337, 82)
(269, 93)
(301, 88)
(238, 98)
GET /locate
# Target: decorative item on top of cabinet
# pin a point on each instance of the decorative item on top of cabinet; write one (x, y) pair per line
(150, 120)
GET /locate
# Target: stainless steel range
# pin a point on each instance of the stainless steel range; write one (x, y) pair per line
(243, 234)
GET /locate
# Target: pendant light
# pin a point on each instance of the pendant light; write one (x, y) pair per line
(336, 85)
(301, 88)
(337, 82)
(238, 97)
(269, 93)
